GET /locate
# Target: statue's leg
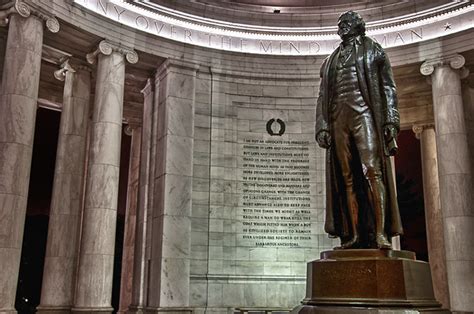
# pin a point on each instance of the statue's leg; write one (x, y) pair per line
(342, 145)
(367, 144)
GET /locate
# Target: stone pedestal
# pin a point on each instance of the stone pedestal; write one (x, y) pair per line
(368, 281)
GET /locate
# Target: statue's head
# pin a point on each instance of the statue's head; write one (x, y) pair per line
(350, 24)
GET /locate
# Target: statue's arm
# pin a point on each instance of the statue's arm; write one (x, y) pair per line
(321, 119)
(388, 92)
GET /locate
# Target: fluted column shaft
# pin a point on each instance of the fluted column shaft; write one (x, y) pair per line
(433, 212)
(57, 291)
(94, 281)
(18, 102)
(455, 177)
(130, 221)
(140, 268)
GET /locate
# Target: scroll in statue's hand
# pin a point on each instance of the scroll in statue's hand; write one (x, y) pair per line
(390, 135)
(324, 139)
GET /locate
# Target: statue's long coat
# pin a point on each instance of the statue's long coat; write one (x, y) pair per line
(379, 92)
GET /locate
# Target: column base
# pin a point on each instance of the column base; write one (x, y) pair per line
(92, 310)
(136, 309)
(53, 309)
(310, 309)
(368, 281)
(169, 310)
(8, 311)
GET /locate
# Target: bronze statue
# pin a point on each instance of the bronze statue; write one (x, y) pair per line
(357, 121)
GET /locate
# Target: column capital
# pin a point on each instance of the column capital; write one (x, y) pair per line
(106, 48)
(63, 69)
(71, 66)
(13, 7)
(131, 127)
(24, 10)
(149, 88)
(455, 61)
(419, 128)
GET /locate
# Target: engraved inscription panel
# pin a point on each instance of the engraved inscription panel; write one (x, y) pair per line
(275, 204)
(278, 183)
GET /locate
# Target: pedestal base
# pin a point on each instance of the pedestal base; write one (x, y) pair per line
(369, 281)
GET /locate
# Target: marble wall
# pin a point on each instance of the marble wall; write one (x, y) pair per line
(245, 252)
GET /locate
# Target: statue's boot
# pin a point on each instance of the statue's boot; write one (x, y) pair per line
(353, 209)
(378, 204)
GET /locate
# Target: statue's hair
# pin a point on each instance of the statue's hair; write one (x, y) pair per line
(360, 24)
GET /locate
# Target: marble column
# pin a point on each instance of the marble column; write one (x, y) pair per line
(140, 264)
(18, 102)
(130, 219)
(57, 291)
(171, 225)
(433, 213)
(455, 177)
(94, 279)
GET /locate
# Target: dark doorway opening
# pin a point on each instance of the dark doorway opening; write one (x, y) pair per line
(37, 216)
(410, 195)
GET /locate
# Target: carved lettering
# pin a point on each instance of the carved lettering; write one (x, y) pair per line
(226, 40)
(243, 43)
(159, 27)
(383, 41)
(187, 35)
(314, 47)
(276, 195)
(399, 37)
(210, 38)
(141, 22)
(172, 31)
(418, 34)
(267, 48)
(102, 6)
(119, 13)
(218, 39)
(292, 46)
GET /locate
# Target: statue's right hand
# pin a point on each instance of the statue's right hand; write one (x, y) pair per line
(324, 139)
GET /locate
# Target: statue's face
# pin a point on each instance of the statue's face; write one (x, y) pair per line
(347, 27)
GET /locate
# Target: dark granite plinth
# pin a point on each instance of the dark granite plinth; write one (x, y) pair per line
(369, 281)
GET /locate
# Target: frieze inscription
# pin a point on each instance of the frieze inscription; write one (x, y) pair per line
(314, 41)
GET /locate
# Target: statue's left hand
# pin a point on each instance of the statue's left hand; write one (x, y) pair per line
(390, 132)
